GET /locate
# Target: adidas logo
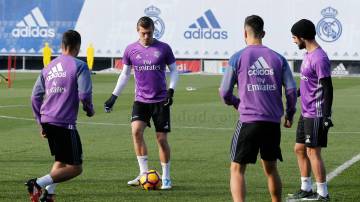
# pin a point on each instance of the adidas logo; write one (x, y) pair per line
(56, 72)
(260, 68)
(33, 25)
(206, 27)
(340, 70)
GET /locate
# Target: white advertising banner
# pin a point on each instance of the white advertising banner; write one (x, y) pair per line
(207, 29)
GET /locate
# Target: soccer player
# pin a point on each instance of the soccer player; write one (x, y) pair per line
(259, 73)
(55, 103)
(149, 57)
(316, 93)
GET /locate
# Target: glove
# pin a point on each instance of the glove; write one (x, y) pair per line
(327, 123)
(89, 109)
(169, 99)
(109, 103)
(298, 92)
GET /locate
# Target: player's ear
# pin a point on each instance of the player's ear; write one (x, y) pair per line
(263, 34)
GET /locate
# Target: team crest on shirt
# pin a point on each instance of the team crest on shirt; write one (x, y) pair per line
(154, 12)
(329, 28)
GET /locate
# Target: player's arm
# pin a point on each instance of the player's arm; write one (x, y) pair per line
(37, 97)
(85, 89)
(174, 77)
(120, 85)
(326, 83)
(323, 71)
(290, 94)
(227, 86)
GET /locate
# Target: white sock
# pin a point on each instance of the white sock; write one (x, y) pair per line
(306, 184)
(143, 163)
(44, 181)
(165, 170)
(51, 188)
(322, 189)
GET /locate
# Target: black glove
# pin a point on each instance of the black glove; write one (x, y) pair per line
(298, 92)
(89, 110)
(169, 99)
(109, 103)
(327, 123)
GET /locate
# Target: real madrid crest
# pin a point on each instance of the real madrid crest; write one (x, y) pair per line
(154, 12)
(329, 28)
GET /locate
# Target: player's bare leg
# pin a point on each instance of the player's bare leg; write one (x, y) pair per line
(164, 155)
(164, 148)
(237, 181)
(305, 169)
(303, 160)
(137, 128)
(274, 181)
(64, 172)
(318, 168)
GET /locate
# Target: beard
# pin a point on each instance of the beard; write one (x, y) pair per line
(301, 45)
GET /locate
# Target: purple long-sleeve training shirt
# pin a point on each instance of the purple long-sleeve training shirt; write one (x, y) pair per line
(58, 90)
(259, 73)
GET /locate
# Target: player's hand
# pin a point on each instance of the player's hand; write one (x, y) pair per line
(109, 103)
(169, 99)
(287, 123)
(42, 133)
(90, 112)
(298, 92)
(327, 123)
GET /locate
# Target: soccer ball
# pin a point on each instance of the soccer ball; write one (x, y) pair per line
(150, 180)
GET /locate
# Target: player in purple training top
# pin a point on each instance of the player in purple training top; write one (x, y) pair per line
(259, 73)
(55, 103)
(316, 93)
(149, 58)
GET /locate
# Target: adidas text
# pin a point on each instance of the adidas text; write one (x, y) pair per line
(205, 34)
(260, 72)
(33, 32)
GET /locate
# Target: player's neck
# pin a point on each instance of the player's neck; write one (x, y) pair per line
(253, 42)
(143, 43)
(311, 46)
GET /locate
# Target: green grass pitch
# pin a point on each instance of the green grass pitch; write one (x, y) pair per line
(202, 128)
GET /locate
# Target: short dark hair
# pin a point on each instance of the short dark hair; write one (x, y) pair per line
(257, 25)
(71, 39)
(145, 22)
(304, 28)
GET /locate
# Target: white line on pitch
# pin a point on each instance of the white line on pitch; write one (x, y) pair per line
(343, 167)
(9, 106)
(179, 127)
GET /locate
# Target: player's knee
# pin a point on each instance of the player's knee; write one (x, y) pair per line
(162, 141)
(236, 168)
(299, 150)
(77, 170)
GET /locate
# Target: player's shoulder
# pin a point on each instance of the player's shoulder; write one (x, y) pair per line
(236, 57)
(80, 65)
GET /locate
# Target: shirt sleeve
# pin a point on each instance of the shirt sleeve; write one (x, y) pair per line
(290, 90)
(126, 57)
(170, 58)
(174, 76)
(322, 68)
(85, 87)
(122, 80)
(37, 97)
(227, 85)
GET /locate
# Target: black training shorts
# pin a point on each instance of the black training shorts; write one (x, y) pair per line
(64, 144)
(310, 131)
(159, 113)
(250, 138)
